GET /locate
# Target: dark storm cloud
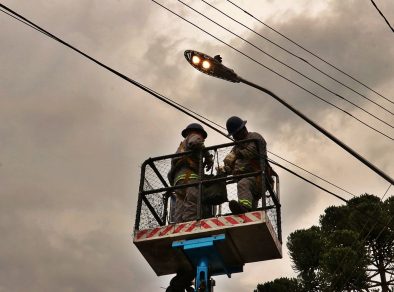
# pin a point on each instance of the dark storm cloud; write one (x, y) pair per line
(335, 44)
(68, 177)
(342, 41)
(73, 136)
(352, 41)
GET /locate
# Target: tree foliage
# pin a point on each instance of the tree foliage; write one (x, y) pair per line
(280, 285)
(352, 249)
(305, 247)
(371, 221)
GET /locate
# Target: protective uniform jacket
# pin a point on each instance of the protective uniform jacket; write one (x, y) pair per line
(184, 170)
(244, 157)
(186, 167)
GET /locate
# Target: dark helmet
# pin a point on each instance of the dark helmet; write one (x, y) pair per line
(234, 125)
(194, 127)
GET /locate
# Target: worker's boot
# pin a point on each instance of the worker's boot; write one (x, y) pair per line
(237, 208)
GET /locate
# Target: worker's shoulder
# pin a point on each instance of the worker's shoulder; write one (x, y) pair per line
(255, 135)
(181, 147)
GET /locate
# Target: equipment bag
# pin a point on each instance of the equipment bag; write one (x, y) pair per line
(214, 193)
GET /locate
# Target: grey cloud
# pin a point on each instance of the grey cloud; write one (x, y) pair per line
(73, 136)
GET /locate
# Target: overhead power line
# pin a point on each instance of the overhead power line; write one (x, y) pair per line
(296, 56)
(272, 153)
(157, 95)
(280, 75)
(322, 131)
(384, 17)
(143, 87)
(150, 91)
(309, 181)
(308, 51)
(288, 66)
(311, 173)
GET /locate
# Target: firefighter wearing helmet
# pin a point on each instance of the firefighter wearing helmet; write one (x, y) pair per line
(244, 158)
(185, 169)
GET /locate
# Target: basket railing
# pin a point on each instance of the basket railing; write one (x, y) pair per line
(156, 195)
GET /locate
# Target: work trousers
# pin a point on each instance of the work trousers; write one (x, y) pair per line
(250, 190)
(186, 203)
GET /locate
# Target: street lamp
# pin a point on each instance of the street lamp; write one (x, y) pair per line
(214, 67)
(211, 66)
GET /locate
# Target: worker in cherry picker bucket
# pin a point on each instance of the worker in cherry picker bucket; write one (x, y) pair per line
(184, 170)
(245, 158)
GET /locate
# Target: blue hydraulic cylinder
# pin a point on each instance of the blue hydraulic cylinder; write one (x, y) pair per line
(203, 254)
(202, 277)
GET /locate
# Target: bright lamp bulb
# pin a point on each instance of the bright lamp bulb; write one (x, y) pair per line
(196, 60)
(206, 64)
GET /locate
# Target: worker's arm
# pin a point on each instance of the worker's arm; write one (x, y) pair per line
(249, 150)
(229, 161)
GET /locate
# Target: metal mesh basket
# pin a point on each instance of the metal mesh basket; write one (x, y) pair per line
(156, 198)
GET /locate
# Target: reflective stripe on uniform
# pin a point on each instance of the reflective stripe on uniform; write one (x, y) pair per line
(185, 176)
(246, 203)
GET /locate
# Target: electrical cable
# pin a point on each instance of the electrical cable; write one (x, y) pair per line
(312, 123)
(272, 153)
(309, 181)
(320, 129)
(166, 100)
(310, 52)
(9, 14)
(145, 88)
(141, 86)
(261, 64)
(384, 17)
(296, 56)
(307, 171)
(290, 67)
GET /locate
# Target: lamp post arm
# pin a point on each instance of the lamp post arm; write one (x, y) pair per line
(322, 130)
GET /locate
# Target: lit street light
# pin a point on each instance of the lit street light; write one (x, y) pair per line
(211, 66)
(214, 67)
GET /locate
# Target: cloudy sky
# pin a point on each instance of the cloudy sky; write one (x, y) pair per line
(73, 135)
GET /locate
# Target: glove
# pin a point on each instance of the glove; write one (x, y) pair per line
(221, 169)
(230, 159)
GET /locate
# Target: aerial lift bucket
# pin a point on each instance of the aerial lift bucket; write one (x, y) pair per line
(250, 237)
(232, 240)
